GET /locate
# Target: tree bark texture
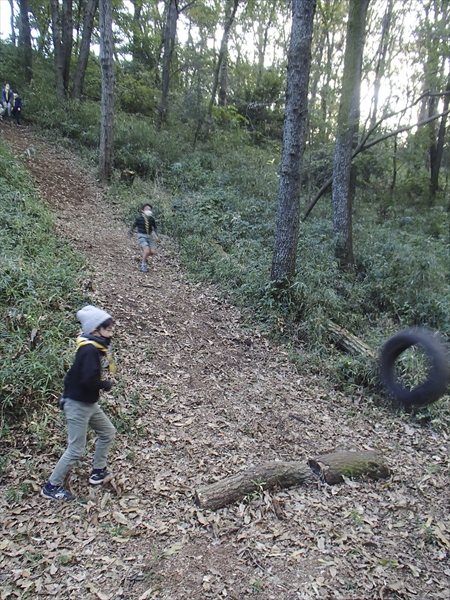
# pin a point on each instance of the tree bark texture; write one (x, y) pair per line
(223, 87)
(349, 342)
(295, 123)
(348, 122)
(331, 468)
(170, 33)
(58, 48)
(107, 118)
(25, 40)
(394, 174)
(67, 41)
(83, 56)
(267, 476)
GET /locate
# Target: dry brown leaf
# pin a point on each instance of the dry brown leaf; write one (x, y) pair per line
(200, 398)
(120, 517)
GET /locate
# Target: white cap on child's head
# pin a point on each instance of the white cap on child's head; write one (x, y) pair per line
(92, 317)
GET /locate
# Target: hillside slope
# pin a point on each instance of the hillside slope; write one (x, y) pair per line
(199, 398)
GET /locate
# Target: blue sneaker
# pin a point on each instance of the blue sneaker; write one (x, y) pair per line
(100, 476)
(56, 492)
(144, 268)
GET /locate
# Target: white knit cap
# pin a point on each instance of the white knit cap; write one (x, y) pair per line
(91, 317)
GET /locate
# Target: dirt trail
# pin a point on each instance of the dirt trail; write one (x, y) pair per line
(200, 398)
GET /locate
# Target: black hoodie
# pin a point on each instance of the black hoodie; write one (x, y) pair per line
(83, 380)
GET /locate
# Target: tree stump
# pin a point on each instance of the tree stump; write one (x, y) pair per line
(331, 468)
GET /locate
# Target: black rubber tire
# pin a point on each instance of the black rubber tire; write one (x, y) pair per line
(434, 387)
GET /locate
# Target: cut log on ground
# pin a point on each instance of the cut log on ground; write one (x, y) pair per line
(127, 176)
(265, 476)
(349, 342)
(331, 468)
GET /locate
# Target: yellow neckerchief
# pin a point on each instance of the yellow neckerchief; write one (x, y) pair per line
(82, 341)
(147, 224)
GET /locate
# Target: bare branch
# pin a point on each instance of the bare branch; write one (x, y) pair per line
(188, 5)
(362, 146)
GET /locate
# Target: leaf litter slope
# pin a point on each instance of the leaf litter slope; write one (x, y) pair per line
(199, 398)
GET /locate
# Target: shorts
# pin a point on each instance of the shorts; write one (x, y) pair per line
(145, 239)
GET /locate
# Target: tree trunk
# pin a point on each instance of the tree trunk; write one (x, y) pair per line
(295, 123)
(107, 119)
(83, 57)
(13, 18)
(223, 87)
(318, 70)
(135, 52)
(262, 39)
(67, 41)
(25, 40)
(394, 173)
(436, 156)
(77, 27)
(348, 122)
(170, 33)
(381, 60)
(58, 49)
(232, 6)
(331, 468)
(436, 54)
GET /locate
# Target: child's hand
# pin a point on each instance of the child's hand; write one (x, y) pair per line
(107, 385)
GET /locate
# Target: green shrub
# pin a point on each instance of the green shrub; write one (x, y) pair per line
(38, 297)
(11, 65)
(136, 93)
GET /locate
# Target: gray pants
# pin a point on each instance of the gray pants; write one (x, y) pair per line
(79, 417)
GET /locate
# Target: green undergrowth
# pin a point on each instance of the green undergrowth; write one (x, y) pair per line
(401, 277)
(218, 200)
(39, 292)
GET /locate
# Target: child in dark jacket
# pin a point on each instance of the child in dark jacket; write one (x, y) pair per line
(82, 386)
(16, 109)
(146, 229)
